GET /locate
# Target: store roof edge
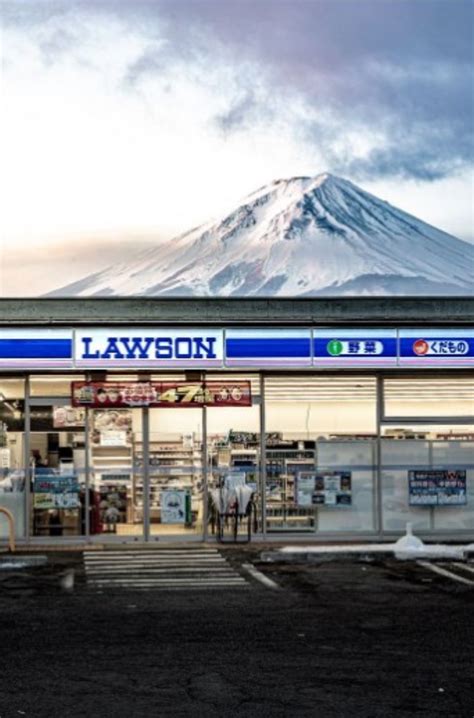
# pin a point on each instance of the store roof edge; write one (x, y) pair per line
(235, 310)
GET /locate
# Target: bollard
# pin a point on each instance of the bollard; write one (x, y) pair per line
(11, 528)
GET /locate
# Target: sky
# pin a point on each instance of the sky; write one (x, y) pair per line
(125, 122)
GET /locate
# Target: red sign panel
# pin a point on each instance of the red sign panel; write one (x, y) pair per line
(104, 395)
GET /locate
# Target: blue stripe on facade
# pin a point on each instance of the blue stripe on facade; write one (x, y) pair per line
(389, 347)
(268, 348)
(406, 347)
(35, 348)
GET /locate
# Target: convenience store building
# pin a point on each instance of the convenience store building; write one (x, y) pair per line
(347, 417)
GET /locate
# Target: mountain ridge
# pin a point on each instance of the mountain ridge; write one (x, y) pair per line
(302, 236)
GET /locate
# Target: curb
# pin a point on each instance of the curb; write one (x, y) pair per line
(14, 561)
(366, 554)
(323, 557)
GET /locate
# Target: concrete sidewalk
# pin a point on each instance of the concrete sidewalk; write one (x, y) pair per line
(366, 552)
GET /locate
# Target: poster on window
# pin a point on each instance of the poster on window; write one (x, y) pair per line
(437, 487)
(5, 458)
(175, 506)
(65, 417)
(112, 428)
(324, 488)
(305, 482)
(56, 491)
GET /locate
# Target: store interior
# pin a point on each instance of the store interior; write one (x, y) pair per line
(332, 464)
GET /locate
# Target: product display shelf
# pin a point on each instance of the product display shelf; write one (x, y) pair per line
(228, 459)
(283, 466)
(112, 481)
(171, 465)
(111, 462)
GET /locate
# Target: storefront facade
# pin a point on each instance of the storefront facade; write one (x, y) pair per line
(120, 418)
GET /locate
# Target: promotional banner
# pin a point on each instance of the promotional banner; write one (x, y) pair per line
(355, 347)
(148, 347)
(436, 347)
(435, 487)
(161, 394)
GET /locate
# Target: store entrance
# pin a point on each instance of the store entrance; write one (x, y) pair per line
(122, 460)
(116, 472)
(175, 472)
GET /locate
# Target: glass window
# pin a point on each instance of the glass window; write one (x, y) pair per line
(428, 477)
(57, 469)
(53, 384)
(12, 461)
(425, 396)
(320, 453)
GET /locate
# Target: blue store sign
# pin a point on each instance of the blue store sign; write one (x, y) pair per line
(37, 348)
(268, 347)
(442, 347)
(195, 348)
(354, 347)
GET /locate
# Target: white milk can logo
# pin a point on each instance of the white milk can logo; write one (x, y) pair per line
(440, 347)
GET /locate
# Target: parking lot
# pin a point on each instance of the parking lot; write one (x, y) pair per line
(378, 638)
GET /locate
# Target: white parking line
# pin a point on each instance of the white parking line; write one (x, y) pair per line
(445, 572)
(464, 566)
(259, 576)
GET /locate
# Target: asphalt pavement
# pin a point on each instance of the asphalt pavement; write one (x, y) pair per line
(370, 639)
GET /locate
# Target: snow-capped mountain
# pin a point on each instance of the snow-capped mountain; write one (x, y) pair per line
(302, 236)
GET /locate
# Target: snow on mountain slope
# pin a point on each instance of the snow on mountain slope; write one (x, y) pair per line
(302, 236)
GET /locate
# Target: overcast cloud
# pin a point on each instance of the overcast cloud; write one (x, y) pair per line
(134, 117)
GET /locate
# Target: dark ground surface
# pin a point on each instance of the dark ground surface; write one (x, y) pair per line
(344, 639)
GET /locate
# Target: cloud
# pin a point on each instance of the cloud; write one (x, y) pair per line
(239, 114)
(140, 115)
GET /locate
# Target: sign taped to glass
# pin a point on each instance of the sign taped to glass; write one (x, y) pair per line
(161, 394)
(56, 491)
(437, 487)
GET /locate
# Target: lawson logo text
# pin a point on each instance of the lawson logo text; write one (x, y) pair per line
(148, 347)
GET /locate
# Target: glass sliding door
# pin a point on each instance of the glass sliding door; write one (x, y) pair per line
(175, 472)
(116, 472)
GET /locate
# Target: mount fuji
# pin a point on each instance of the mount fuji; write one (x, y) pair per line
(304, 236)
